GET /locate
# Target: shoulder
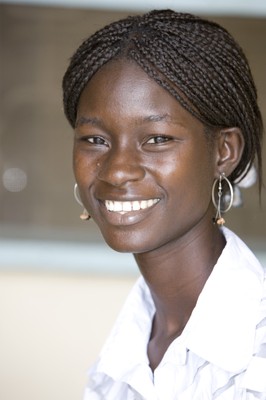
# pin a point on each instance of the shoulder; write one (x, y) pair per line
(238, 261)
(224, 327)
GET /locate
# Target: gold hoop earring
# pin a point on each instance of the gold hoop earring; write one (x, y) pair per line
(218, 219)
(85, 215)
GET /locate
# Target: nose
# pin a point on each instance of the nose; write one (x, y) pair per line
(121, 166)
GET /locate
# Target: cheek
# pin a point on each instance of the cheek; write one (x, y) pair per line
(83, 167)
(189, 181)
(76, 159)
(79, 170)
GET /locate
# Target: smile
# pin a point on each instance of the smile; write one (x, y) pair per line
(129, 206)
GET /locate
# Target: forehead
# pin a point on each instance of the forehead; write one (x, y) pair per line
(119, 79)
(121, 89)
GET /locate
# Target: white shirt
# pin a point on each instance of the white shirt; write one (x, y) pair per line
(221, 353)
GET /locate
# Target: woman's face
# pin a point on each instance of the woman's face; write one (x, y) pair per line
(142, 163)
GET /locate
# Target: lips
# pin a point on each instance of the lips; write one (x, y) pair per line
(129, 206)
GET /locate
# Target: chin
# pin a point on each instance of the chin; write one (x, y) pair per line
(121, 248)
(126, 243)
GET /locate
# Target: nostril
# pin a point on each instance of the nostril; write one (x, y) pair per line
(118, 174)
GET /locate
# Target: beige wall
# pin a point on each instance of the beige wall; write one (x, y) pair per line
(51, 330)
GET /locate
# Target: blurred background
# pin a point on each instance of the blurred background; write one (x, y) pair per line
(60, 286)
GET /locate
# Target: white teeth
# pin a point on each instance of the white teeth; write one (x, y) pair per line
(127, 206)
(136, 206)
(143, 204)
(118, 206)
(109, 205)
(150, 203)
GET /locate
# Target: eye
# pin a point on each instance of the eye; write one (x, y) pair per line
(159, 139)
(96, 140)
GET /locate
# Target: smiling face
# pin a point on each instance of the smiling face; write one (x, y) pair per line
(142, 163)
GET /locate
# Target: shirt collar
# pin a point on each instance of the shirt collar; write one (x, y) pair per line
(127, 343)
(222, 326)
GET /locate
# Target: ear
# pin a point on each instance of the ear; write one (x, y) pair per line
(230, 146)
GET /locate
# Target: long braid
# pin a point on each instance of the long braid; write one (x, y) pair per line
(195, 60)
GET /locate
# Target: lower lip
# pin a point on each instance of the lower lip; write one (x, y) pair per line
(127, 218)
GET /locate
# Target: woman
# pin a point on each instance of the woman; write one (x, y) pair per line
(165, 115)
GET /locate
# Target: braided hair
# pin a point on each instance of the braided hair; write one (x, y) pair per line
(197, 61)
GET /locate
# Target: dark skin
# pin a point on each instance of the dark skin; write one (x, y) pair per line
(133, 143)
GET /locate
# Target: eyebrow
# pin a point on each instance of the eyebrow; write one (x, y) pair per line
(158, 118)
(88, 121)
(94, 121)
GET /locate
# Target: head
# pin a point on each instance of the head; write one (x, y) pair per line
(195, 60)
